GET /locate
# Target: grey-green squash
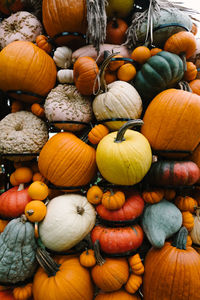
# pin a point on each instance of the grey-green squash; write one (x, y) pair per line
(162, 71)
(160, 221)
(17, 251)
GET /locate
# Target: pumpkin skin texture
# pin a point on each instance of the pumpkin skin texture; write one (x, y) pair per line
(162, 71)
(117, 295)
(38, 74)
(7, 295)
(18, 248)
(68, 220)
(65, 160)
(23, 293)
(125, 162)
(177, 106)
(60, 16)
(177, 270)
(173, 173)
(13, 202)
(160, 221)
(117, 240)
(71, 282)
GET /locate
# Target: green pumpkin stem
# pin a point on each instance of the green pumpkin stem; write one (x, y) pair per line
(132, 123)
(46, 262)
(180, 239)
(99, 259)
(184, 85)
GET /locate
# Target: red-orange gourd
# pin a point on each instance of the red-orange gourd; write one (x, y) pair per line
(116, 31)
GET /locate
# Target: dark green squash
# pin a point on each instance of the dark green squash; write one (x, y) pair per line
(162, 71)
(17, 251)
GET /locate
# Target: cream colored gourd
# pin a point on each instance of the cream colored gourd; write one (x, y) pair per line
(65, 76)
(63, 57)
(195, 232)
(120, 100)
(69, 219)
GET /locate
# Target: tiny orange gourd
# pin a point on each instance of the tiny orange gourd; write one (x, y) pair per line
(3, 224)
(110, 76)
(87, 258)
(35, 211)
(153, 195)
(141, 54)
(23, 175)
(16, 105)
(169, 194)
(126, 72)
(154, 51)
(133, 284)
(191, 71)
(37, 110)
(12, 179)
(38, 190)
(94, 194)
(113, 200)
(97, 133)
(186, 203)
(188, 220)
(136, 264)
(42, 42)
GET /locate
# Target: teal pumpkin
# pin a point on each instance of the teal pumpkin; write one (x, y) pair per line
(162, 71)
(17, 251)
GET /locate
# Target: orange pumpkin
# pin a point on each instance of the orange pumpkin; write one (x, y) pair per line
(3, 224)
(35, 211)
(153, 195)
(87, 258)
(23, 292)
(126, 72)
(16, 106)
(186, 203)
(23, 175)
(116, 31)
(94, 194)
(136, 264)
(97, 133)
(169, 194)
(37, 110)
(191, 71)
(25, 67)
(42, 42)
(188, 220)
(38, 190)
(38, 177)
(115, 64)
(113, 200)
(117, 295)
(154, 51)
(141, 54)
(110, 76)
(133, 284)
(195, 86)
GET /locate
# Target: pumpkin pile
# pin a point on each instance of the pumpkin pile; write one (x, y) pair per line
(100, 149)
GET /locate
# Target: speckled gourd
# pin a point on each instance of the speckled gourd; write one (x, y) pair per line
(17, 251)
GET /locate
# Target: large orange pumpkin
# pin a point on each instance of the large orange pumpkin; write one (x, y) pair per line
(65, 16)
(26, 67)
(65, 160)
(172, 121)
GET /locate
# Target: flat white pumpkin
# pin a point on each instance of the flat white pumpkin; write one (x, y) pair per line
(121, 100)
(68, 220)
(20, 26)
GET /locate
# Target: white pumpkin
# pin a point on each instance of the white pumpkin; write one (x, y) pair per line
(20, 26)
(65, 76)
(68, 220)
(195, 232)
(121, 100)
(63, 57)
(65, 103)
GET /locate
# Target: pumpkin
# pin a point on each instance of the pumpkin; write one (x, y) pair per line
(85, 73)
(185, 203)
(189, 241)
(23, 292)
(188, 220)
(65, 76)
(21, 26)
(117, 62)
(177, 106)
(141, 54)
(113, 200)
(59, 16)
(195, 86)
(97, 133)
(77, 282)
(18, 248)
(155, 50)
(118, 240)
(120, 100)
(38, 190)
(7, 295)
(22, 132)
(16, 106)
(177, 269)
(35, 211)
(169, 194)
(23, 175)
(195, 232)
(87, 258)
(124, 157)
(43, 43)
(153, 195)
(173, 173)
(13, 201)
(37, 110)
(7, 7)
(110, 76)
(129, 212)
(136, 264)
(34, 61)
(75, 169)
(126, 72)
(181, 42)
(65, 103)
(191, 71)
(13, 180)
(162, 71)
(117, 295)
(68, 220)
(160, 221)
(94, 194)
(115, 31)
(63, 57)
(38, 177)
(109, 274)
(133, 284)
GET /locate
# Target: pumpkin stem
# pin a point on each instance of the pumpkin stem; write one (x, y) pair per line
(99, 259)
(20, 187)
(180, 239)
(115, 23)
(23, 219)
(30, 212)
(46, 262)
(80, 210)
(132, 123)
(184, 85)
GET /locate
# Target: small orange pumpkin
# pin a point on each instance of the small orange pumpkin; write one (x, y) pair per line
(169, 194)
(154, 51)
(38, 190)
(136, 264)
(141, 54)
(126, 72)
(113, 200)
(37, 110)
(94, 194)
(87, 258)
(188, 220)
(195, 86)
(186, 203)
(38, 177)
(189, 241)
(109, 76)
(16, 105)
(97, 133)
(23, 292)
(153, 195)
(133, 284)
(115, 64)
(191, 71)
(42, 42)
(23, 175)
(35, 211)
(12, 179)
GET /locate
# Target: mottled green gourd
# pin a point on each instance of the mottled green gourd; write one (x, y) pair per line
(17, 251)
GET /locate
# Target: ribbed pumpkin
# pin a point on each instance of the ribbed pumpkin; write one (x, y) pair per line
(65, 16)
(26, 67)
(172, 272)
(65, 160)
(169, 120)
(117, 295)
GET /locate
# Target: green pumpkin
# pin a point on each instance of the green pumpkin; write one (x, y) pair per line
(17, 251)
(160, 221)
(162, 71)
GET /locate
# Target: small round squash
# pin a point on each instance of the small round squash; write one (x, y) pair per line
(94, 194)
(35, 211)
(87, 258)
(38, 190)
(23, 175)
